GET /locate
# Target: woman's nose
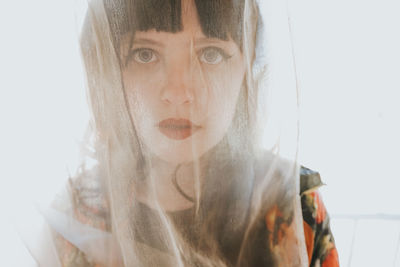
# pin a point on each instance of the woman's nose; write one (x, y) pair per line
(179, 86)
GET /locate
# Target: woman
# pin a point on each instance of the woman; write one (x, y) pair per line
(185, 96)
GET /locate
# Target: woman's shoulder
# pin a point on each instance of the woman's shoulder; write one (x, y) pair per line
(320, 243)
(88, 198)
(265, 161)
(85, 210)
(310, 180)
(319, 240)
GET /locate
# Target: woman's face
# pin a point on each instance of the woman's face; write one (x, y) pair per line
(182, 88)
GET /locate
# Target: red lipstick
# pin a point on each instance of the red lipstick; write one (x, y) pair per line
(177, 129)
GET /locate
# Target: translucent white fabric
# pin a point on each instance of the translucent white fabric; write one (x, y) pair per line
(193, 102)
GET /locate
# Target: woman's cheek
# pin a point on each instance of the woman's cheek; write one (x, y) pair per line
(142, 83)
(226, 85)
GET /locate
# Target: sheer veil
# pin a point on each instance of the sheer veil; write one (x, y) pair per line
(193, 132)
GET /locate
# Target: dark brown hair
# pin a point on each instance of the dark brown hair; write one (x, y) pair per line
(218, 18)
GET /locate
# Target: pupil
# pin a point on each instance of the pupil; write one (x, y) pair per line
(211, 55)
(145, 55)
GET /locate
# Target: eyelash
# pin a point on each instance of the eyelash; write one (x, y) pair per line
(134, 52)
(225, 56)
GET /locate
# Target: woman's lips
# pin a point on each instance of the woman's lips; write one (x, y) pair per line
(177, 129)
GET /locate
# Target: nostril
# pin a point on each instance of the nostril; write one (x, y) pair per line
(177, 95)
(190, 98)
(164, 97)
(166, 100)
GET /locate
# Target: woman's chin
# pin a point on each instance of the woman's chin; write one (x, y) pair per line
(178, 155)
(180, 151)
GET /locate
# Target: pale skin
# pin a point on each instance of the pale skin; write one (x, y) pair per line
(183, 75)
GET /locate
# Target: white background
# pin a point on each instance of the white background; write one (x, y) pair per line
(348, 60)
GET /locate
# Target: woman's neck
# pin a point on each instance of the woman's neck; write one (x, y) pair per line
(160, 189)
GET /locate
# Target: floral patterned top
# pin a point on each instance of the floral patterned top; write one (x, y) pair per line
(319, 240)
(318, 236)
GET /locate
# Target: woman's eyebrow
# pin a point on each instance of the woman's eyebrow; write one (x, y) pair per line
(206, 40)
(144, 41)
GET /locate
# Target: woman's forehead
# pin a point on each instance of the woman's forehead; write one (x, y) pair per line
(154, 37)
(190, 16)
(191, 33)
(190, 25)
(220, 19)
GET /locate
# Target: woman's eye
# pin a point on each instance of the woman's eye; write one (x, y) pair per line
(213, 55)
(144, 55)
